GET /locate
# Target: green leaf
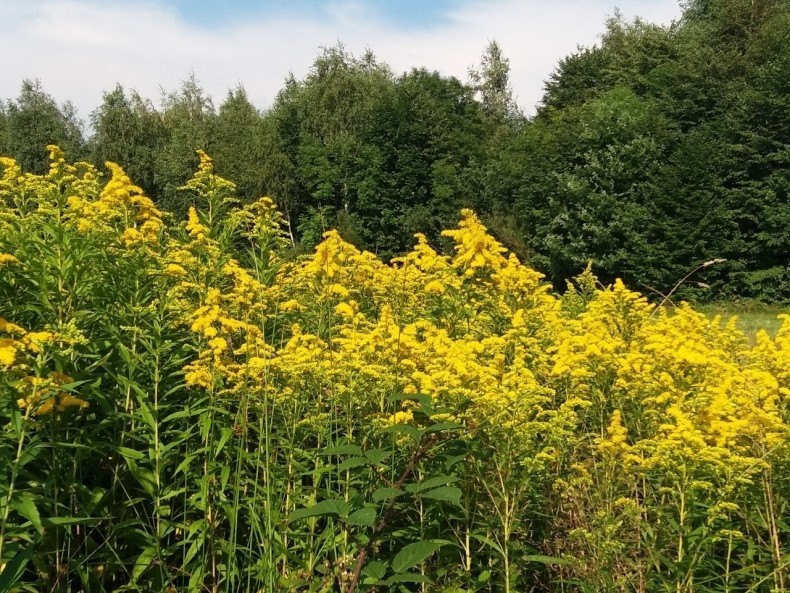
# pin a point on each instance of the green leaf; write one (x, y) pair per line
(181, 414)
(385, 493)
(423, 399)
(333, 506)
(61, 521)
(192, 551)
(431, 483)
(365, 517)
(143, 562)
(128, 453)
(445, 494)
(26, 507)
(376, 456)
(343, 450)
(14, 569)
(197, 578)
(410, 431)
(488, 542)
(413, 554)
(443, 426)
(407, 578)
(353, 462)
(542, 559)
(375, 569)
(32, 450)
(450, 460)
(145, 413)
(225, 434)
(144, 476)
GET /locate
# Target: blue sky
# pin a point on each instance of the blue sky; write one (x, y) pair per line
(80, 49)
(404, 13)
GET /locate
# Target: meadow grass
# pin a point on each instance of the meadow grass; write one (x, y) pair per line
(752, 317)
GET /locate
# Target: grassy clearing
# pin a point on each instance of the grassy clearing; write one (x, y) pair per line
(751, 317)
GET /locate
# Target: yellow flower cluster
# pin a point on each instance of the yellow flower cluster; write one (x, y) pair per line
(478, 331)
(474, 248)
(594, 389)
(689, 387)
(7, 258)
(22, 353)
(119, 201)
(74, 193)
(481, 333)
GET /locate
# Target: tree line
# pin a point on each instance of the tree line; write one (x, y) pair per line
(652, 152)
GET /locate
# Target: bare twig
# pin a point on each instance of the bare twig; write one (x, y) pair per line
(680, 282)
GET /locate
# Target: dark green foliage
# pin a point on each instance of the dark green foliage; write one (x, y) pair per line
(377, 156)
(599, 203)
(189, 119)
(239, 144)
(322, 122)
(426, 134)
(33, 121)
(703, 176)
(128, 131)
(4, 145)
(652, 152)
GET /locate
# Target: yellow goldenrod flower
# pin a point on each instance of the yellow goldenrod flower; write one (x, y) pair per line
(434, 287)
(7, 258)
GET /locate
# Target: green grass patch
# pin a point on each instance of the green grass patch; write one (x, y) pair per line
(752, 317)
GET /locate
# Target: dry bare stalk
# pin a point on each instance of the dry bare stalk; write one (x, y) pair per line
(680, 282)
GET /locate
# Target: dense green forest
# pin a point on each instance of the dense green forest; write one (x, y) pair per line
(652, 152)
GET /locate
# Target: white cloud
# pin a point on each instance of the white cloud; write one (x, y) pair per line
(79, 48)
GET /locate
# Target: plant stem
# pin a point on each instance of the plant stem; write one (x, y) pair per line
(14, 475)
(419, 452)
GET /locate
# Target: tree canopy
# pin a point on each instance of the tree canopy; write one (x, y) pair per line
(652, 152)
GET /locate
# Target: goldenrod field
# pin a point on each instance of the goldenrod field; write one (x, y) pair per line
(187, 407)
